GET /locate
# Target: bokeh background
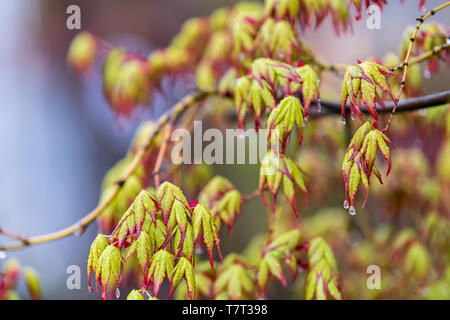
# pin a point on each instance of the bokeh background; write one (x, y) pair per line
(58, 136)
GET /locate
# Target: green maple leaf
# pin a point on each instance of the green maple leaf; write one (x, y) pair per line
(109, 268)
(161, 267)
(184, 268)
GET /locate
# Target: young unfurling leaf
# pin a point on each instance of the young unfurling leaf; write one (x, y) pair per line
(130, 225)
(260, 97)
(173, 204)
(108, 268)
(144, 251)
(224, 201)
(269, 265)
(229, 207)
(98, 245)
(161, 266)
(288, 113)
(203, 224)
(277, 39)
(323, 275)
(234, 280)
(241, 91)
(280, 249)
(360, 83)
(310, 86)
(281, 8)
(184, 268)
(185, 248)
(359, 161)
(276, 169)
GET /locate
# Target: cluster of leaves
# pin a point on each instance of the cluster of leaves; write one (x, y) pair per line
(276, 169)
(304, 11)
(261, 90)
(253, 54)
(360, 84)
(9, 277)
(283, 248)
(224, 201)
(359, 161)
(159, 230)
(323, 276)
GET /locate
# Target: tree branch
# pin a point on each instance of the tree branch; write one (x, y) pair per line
(428, 101)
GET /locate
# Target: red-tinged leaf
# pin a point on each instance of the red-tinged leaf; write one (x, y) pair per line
(385, 151)
(203, 224)
(353, 183)
(167, 195)
(161, 267)
(184, 268)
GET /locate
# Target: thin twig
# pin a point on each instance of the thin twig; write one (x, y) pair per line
(424, 56)
(420, 21)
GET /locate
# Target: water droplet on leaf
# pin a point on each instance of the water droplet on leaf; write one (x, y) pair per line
(117, 293)
(343, 121)
(352, 211)
(346, 206)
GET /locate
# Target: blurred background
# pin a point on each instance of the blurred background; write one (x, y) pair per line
(58, 136)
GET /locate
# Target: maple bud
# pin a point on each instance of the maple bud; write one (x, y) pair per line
(82, 52)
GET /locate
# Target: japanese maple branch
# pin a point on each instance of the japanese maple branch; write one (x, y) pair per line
(423, 102)
(172, 115)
